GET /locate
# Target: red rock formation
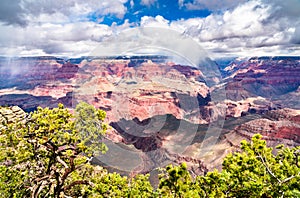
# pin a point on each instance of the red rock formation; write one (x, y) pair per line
(277, 127)
(265, 77)
(140, 91)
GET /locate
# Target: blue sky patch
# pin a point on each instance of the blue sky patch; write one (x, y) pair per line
(170, 10)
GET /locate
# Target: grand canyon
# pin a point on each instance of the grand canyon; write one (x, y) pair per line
(160, 111)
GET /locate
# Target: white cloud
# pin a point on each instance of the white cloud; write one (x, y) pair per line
(131, 3)
(158, 21)
(254, 27)
(30, 11)
(72, 38)
(248, 29)
(210, 5)
(148, 2)
(48, 27)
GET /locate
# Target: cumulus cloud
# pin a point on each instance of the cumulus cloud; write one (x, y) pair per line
(210, 5)
(247, 29)
(158, 21)
(296, 37)
(47, 27)
(287, 8)
(71, 38)
(11, 12)
(29, 11)
(235, 27)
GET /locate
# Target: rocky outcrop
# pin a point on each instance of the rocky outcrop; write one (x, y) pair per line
(142, 92)
(161, 143)
(36, 81)
(164, 110)
(10, 115)
(277, 127)
(256, 105)
(122, 89)
(268, 77)
(155, 137)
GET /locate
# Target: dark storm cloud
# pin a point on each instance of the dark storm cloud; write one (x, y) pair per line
(296, 37)
(285, 8)
(11, 12)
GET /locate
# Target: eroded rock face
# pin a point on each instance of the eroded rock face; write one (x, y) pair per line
(151, 102)
(123, 89)
(268, 77)
(143, 91)
(10, 115)
(277, 126)
(36, 81)
(156, 137)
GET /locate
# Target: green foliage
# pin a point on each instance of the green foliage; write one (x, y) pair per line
(213, 184)
(89, 123)
(48, 155)
(177, 182)
(140, 187)
(256, 171)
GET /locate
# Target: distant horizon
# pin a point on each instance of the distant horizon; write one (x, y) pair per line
(139, 55)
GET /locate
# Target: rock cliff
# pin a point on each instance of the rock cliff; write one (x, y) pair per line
(268, 77)
(163, 111)
(11, 114)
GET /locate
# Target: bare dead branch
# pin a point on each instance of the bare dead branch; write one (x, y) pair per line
(291, 177)
(268, 169)
(62, 162)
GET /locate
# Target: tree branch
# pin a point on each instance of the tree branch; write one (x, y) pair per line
(268, 169)
(68, 171)
(79, 182)
(62, 162)
(289, 178)
(42, 178)
(63, 148)
(38, 188)
(43, 183)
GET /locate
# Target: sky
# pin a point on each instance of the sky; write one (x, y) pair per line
(73, 28)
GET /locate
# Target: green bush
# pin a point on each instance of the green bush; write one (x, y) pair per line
(48, 155)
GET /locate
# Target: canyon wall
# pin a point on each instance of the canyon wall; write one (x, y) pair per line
(162, 111)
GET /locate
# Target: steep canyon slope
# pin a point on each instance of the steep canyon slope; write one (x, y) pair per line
(161, 112)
